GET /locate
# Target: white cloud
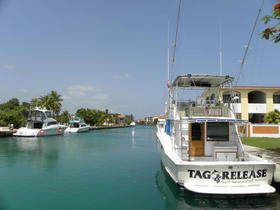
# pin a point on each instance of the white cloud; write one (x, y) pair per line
(81, 90)
(126, 75)
(9, 67)
(78, 96)
(23, 90)
(122, 76)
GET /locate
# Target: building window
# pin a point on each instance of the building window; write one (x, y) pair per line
(256, 118)
(256, 97)
(217, 131)
(276, 98)
(227, 96)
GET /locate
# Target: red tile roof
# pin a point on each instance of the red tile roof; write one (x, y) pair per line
(121, 116)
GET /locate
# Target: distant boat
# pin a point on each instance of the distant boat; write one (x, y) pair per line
(77, 125)
(40, 122)
(133, 124)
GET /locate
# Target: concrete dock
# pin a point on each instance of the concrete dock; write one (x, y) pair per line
(5, 131)
(109, 127)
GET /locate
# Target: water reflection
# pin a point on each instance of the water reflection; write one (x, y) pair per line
(132, 137)
(179, 199)
(36, 151)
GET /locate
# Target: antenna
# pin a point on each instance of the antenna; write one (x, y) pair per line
(220, 51)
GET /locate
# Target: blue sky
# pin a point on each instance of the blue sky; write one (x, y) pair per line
(113, 54)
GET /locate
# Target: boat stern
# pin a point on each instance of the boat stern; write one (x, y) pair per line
(232, 178)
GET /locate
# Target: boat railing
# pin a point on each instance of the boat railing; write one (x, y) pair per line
(181, 139)
(207, 110)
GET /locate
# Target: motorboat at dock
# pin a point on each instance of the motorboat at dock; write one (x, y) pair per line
(40, 122)
(77, 125)
(200, 147)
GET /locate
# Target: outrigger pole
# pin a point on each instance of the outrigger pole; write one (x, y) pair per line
(171, 76)
(175, 41)
(248, 43)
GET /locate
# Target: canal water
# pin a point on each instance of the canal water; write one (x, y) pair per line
(104, 169)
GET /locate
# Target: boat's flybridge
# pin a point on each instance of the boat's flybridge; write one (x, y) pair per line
(39, 118)
(202, 128)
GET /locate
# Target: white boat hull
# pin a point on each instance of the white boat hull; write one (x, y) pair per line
(50, 131)
(223, 177)
(77, 130)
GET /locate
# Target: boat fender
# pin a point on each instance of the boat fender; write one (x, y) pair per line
(183, 138)
(42, 132)
(59, 130)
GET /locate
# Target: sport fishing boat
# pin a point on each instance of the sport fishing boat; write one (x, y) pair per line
(77, 125)
(40, 122)
(199, 142)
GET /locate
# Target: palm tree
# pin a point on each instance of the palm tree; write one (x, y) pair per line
(55, 102)
(35, 102)
(273, 117)
(46, 102)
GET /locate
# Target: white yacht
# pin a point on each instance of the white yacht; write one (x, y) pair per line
(132, 124)
(40, 122)
(77, 125)
(199, 142)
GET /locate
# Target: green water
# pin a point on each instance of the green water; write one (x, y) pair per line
(105, 169)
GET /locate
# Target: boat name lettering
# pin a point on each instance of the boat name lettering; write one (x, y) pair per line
(227, 175)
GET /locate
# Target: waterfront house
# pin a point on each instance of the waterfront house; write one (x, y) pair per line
(253, 102)
(121, 119)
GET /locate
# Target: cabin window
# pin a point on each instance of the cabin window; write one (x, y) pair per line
(37, 125)
(36, 115)
(52, 123)
(49, 114)
(196, 131)
(217, 131)
(74, 125)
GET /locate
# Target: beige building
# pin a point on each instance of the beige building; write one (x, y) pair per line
(253, 102)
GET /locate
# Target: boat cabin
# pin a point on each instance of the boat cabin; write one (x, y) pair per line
(38, 119)
(202, 128)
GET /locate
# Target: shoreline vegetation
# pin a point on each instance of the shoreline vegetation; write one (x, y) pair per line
(14, 112)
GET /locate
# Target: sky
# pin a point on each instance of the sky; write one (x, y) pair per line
(113, 54)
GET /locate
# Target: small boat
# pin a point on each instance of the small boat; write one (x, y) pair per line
(200, 147)
(132, 124)
(77, 125)
(40, 122)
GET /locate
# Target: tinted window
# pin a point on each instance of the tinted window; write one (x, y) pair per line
(52, 123)
(217, 131)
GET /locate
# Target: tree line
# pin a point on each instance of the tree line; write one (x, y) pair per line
(14, 112)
